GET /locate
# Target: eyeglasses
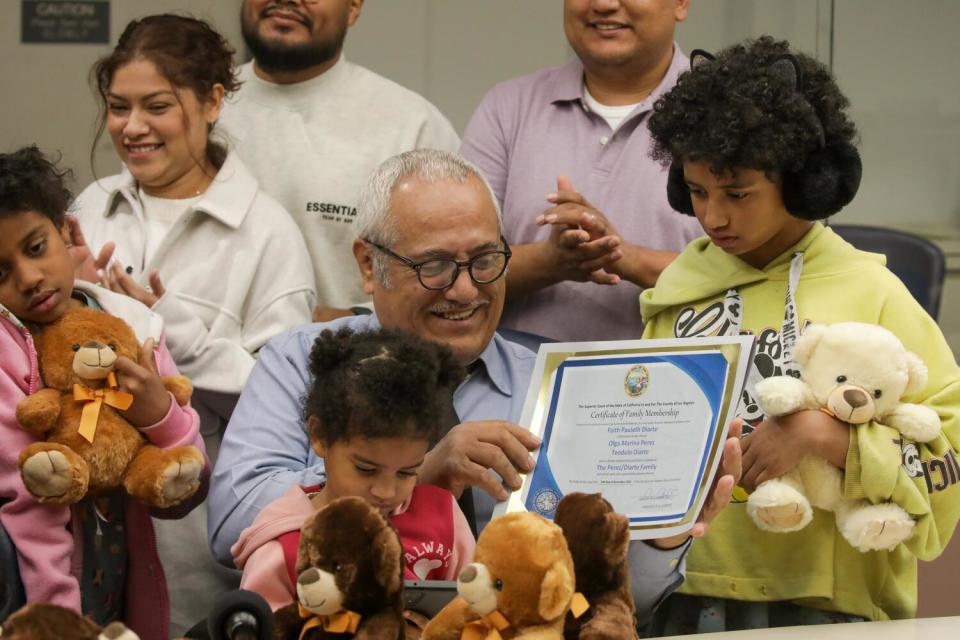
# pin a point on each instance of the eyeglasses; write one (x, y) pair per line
(438, 275)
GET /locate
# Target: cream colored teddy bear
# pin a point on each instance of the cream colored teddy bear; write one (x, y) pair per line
(858, 373)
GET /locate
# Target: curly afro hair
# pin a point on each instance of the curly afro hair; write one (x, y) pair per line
(29, 181)
(742, 111)
(379, 384)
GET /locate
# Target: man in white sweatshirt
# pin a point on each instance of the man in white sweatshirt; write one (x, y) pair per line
(313, 126)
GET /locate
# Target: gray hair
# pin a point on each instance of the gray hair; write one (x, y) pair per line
(374, 222)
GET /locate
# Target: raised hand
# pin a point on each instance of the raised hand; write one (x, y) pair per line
(151, 401)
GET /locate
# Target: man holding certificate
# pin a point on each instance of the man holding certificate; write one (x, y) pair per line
(431, 253)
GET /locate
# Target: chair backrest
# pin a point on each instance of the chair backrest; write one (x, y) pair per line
(11, 589)
(919, 263)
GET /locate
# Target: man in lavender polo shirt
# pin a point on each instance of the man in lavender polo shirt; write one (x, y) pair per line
(568, 147)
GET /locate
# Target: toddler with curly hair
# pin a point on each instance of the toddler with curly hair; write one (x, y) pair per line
(761, 149)
(378, 401)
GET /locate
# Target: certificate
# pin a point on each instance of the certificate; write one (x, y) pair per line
(643, 422)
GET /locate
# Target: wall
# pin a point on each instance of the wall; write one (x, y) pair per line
(892, 58)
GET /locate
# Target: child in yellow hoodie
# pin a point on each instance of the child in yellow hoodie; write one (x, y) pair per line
(761, 149)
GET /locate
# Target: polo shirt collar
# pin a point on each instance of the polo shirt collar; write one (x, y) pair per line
(228, 198)
(568, 85)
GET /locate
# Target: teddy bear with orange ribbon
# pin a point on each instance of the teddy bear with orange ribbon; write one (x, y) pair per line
(519, 586)
(89, 447)
(349, 577)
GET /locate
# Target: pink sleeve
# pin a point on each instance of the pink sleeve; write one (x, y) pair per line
(181, 426)
(265, 572)
(39, 532)
(463, 543)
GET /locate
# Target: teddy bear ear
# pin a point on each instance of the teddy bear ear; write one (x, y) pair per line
(618, 539)
(807, 343)
(556, 589)
(388, 567)
(916, 374)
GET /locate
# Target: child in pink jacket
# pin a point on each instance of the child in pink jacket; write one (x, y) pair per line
(378, 401)
(99, 556)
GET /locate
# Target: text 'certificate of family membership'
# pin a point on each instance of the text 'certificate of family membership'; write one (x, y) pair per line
(643, 422)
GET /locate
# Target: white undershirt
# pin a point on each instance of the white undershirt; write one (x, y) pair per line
(160, 215)
(614, 115)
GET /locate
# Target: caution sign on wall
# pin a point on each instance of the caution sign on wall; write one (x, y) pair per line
(73, 21)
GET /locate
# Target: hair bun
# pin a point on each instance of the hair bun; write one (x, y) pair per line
(330, 351)
(407, 367)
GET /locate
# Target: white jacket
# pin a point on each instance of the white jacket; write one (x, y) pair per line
(235, 269)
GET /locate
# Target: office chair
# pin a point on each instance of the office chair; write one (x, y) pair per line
(919, 263)
(12, 596)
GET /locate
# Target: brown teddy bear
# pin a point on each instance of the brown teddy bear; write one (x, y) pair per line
(520, 584)
(598, 538)
(350, 577)
(44, 621)
(89, 446)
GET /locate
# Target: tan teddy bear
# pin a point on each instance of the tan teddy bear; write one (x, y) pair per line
(90, 447)
(858, 373)
(520, 584)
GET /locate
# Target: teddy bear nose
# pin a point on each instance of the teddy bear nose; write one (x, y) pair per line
(468, 574)
(855, 397)
(309, 576)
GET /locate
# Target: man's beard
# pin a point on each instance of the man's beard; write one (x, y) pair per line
(273, 56)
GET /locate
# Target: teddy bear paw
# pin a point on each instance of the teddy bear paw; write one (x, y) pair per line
(180, 479)
(885, 534)
(785, 517)
(880, 526)
(48, 474)
(776, 506)
(780, 395)
(916, 421)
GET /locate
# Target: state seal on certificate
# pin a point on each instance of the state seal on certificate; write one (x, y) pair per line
(636, 380)
(642, 422)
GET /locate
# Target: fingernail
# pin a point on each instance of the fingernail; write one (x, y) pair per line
(529, 464)
(536, 439)
(551, 217)
(101, 274)
(540, 219)
(551, 196)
